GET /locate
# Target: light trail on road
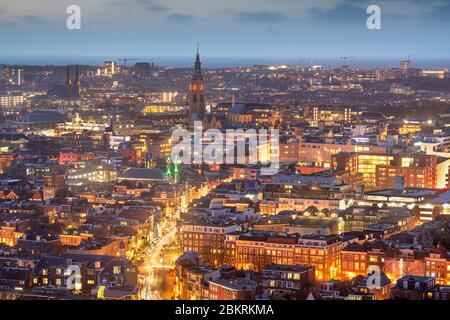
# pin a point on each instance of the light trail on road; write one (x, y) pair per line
(152, 261)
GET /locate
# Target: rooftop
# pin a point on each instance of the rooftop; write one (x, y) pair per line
(236, 283)
(142, 174)
(286, 267)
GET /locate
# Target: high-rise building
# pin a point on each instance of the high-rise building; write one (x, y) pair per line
(13, 76)
(5, 76)
(68, 81)
(20, 78)
(73, 88)
(142, 69)
(77, 83)
(405, 65)
(110, 68)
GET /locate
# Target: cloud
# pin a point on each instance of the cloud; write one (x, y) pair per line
(158, 8)
(179, 17)
(261, 17)
(347, 12)
(342, 13)
(391, 8)
(30, 19)
(441, 13)
(150, 5)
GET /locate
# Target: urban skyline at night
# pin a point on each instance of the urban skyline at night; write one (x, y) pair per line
(249, 156)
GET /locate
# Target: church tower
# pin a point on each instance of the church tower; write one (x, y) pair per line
(197, 89)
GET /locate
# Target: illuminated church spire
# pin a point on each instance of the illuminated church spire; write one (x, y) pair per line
(197, 88)
(197, 66)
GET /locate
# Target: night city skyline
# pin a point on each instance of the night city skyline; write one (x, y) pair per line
(248, 155)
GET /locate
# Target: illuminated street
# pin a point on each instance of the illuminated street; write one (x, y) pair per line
(271, 151)
(158, 263)
(153, 266)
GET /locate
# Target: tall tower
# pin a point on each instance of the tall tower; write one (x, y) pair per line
(77, 83)
(68, 83)
(197, 89)
(6, 73)
(405, 66)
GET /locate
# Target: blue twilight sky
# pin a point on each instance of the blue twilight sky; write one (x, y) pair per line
(224, 28)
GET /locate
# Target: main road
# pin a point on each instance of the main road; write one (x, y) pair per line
(153, 262)
(153, 272)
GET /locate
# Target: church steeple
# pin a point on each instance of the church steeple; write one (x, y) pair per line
(197, 88)
(197, 66)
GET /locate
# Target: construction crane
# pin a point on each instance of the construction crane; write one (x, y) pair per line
(125, 60)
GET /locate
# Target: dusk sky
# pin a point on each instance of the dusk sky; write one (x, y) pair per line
(232, 28)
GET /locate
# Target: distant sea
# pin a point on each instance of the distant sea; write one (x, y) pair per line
(219, 62)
